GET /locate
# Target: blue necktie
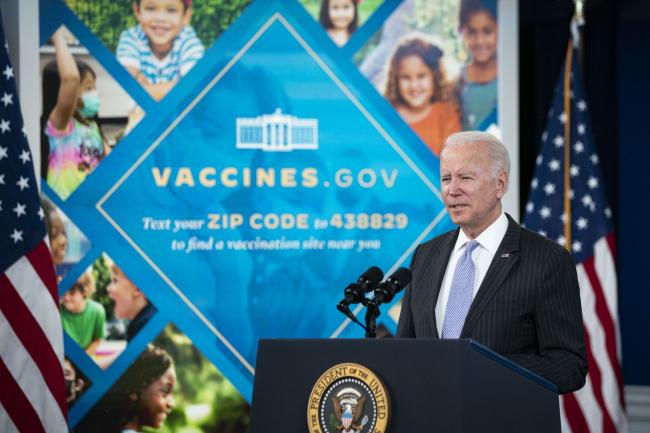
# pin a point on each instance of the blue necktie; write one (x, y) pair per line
(460, 293)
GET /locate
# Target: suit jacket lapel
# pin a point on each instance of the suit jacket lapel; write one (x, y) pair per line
(439, 261)
(502, 263)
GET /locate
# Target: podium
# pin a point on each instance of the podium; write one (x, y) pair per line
(437, 386)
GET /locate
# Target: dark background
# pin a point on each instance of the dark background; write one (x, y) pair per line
(616, 70)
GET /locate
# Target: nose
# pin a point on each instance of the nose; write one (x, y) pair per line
(171, 403)
(454, 187)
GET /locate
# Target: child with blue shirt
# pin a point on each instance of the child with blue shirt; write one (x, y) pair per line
(163, 47)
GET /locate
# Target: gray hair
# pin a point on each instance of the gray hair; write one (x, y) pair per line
(497, 152)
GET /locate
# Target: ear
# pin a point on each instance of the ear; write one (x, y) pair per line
(502, 184)
(188, 16)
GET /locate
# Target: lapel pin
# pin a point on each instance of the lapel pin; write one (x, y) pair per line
(505, 255)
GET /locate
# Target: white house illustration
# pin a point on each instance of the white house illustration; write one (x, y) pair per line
(277, 132)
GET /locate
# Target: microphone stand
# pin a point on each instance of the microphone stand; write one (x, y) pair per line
(372, 312)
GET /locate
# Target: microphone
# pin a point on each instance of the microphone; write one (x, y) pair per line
(355, 292)
(386, 291)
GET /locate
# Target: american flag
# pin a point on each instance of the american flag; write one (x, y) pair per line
(32, 390)
(567, 203)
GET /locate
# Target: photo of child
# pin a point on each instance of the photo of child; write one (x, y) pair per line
(170, 387)
(82, 318)
(417, 87)
(339, 18)
(68, 245)
(162, 47)
(477, 85)
(141, 398)
(129, 302)
(75, 382)
(462, 62)
(73, 139)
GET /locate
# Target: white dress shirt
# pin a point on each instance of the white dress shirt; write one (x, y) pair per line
(489, 240)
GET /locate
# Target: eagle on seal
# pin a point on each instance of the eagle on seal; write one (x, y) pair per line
(348, 411)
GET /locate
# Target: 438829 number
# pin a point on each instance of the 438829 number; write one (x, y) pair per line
(372, 221)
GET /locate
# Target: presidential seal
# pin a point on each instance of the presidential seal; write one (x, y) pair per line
(348, 398)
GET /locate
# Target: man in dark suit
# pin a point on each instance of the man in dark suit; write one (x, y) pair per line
(492, 280)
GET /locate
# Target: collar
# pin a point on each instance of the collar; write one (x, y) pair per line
(490, 238)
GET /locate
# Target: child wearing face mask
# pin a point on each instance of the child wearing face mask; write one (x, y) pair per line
(417, 87)
(478, 80)
(339, 18)
(76, 142)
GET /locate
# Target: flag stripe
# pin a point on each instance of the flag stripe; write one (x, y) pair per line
(573, 416)
(31, 381)
(25, 281)
(40, 258)
(596, 352)
(612, 388)
(33, 339)
(589, 407)
(12, 399)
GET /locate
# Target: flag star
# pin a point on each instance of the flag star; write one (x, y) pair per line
(4, 126)
(571, 194)
(587, 200)
(2, 179)
(582, 105)
(40, 213)
(594, 159)
(577, 247)
(17, 235)
(543, 233)
(0, 204)
(574, 170)
(545, 212)
(3, 153)
(539, 159)
(530, 207)
(549, 188)
(24, 130)
(24, 156)
(534, 183)
(581, 128)
(558, 141)
(8, 72)
(563, 217)
(608, 212)
(562, 118)
(544, 135)
(561, 240)
(581, 223)
(7, 98)
(579, 147)
(20, 210)
(23, 183)
(554, 165)
(592, 182)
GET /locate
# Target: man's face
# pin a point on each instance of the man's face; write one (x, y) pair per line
(471, 194)
(162, 21)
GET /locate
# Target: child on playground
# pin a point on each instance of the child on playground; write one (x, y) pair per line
(82, 318)
(417, 87)
(478, 80)
(162, 47)
(75, 142)
(339, 18)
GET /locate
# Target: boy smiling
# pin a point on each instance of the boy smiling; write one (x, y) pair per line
(163, 47)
